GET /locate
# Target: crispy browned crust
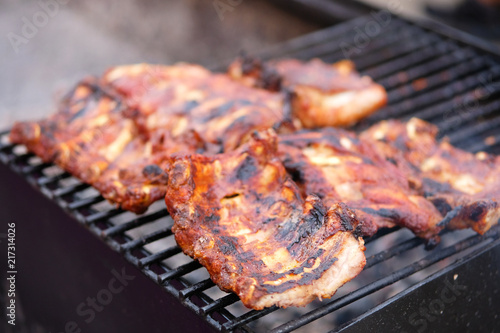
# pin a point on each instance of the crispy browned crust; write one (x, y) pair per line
(185, 99)
(324, 95)
(242, 217)
(338, 166)
(466, 186)
(109, 130)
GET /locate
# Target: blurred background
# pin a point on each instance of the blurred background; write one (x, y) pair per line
(72, 39)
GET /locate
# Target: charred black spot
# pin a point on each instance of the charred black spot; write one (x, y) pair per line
(400, 143)
(271, 79)
(189, 105)
(212, 218)
(383, 212)
(307, 278)
(358, 232)
(227, 245)
(442, 205)
(367, 161)
(431, 243)
(246, 170)
(297, 175)
(151, 171)
(346, 222)
(155, 174)
(249, 64)
(231, 196)
(313, 221)
(238, 123)
(391, 160)
(431, 187)
(220, 110)
(478, 211)
(450, 216)
(77, 115)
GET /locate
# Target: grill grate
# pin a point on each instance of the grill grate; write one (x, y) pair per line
(428, 75)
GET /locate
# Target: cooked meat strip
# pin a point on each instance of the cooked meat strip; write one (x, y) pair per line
(338, 166)
(187, 98)
(459, 183)
(324, 94)
(242, 217)
(114, 132)
(84, 136)
(83, 103)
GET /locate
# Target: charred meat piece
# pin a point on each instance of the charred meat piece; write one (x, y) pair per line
(337, 166)
(242, 217)
(462, 185)
(84, 136)
(324, 94)
(186, 98)
(112, 132)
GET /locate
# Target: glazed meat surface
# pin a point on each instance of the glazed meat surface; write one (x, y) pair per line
(184, 99)
(84, 136)
(463, 186)
(117, 132)
(242, 217)
(323, 94)
(340, 167)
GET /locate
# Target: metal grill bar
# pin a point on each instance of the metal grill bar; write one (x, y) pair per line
(72, 189)
(382, 48)
(248, 317)
(44, 181)
(381, 233)
(443, 78)
(164, 254)
(378, 66)
(480, 146)
(473, 130)
(324, 50)
(399, 64)
(219, 303)
(291, 47)
(34, 168)
(181, 270)
(133, 244)
(465, 117)
(85, 202)
(196, 288)
(117, 229)
(427, 68)
(393, 251)
(431, 98)
(104, 215)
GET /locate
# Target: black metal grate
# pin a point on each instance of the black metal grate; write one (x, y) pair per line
(428, 75)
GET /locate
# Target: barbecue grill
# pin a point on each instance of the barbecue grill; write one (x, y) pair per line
(71, 243)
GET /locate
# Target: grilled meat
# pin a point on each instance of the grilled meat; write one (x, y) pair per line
(339, 167)
(242, 217)
(184, 99)
(118, 131)
(84, 136)
(463, 186)
(323, 94)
